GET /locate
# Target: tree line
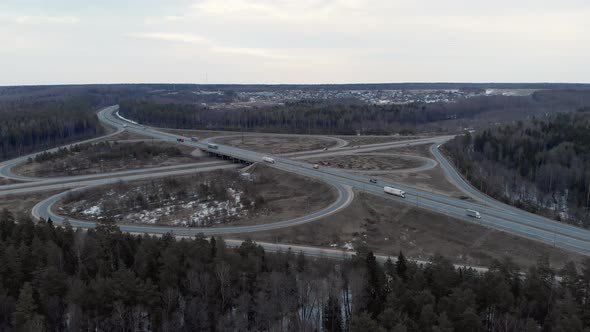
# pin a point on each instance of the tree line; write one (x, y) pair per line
(306, 116)
(29, 127)
(57, 278)
(341, 117)
(542, 165)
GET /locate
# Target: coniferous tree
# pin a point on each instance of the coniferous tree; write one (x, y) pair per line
(25, 315)
(6, 224)
(401, 266)
(147, 282)
(332, 314)
(374, 288)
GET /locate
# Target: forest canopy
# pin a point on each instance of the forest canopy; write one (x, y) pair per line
(56, 278)
(30, 127)
(350, 117)
(542, 165)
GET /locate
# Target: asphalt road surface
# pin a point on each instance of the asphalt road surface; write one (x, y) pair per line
(78, 180)
(494, 214)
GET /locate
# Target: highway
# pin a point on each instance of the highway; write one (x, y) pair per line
(509, 220)
(44, 209)
(78, 180)
(43, 186)
(331, 253)
(494, 214)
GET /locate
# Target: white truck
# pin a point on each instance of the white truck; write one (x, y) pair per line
(268, 160)
(473, 213)
(395, 192)
(212, 146)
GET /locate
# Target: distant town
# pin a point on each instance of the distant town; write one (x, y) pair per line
(370, 96)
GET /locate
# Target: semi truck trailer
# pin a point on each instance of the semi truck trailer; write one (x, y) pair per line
(395, 192)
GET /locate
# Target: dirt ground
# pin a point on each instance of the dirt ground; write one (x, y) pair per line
(289, 196)
(277, 144)
(363, 140)
(201, 134)
(433, 180)
(286, 196)
(422, 150)
(367, 162)
(388, 227)
(126, 135)
(45, 169)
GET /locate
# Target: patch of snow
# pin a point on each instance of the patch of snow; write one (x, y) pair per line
(348, 246)
(92, 211)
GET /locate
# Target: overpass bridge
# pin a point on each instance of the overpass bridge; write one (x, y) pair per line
(225, 156)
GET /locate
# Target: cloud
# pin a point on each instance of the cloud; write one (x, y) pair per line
(206, 44)
(163, 19)
(300, 41)
(306, 14)
(171, 37)
(27, 19)
(267, 53)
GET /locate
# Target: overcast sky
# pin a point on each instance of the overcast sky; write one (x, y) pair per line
(304, 41)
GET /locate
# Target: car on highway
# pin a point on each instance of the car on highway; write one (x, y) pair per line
(180, 140)
(268, 160)
(473, 214)
(124, 126)
(316, 166)
(212, 146)
(373, 180)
